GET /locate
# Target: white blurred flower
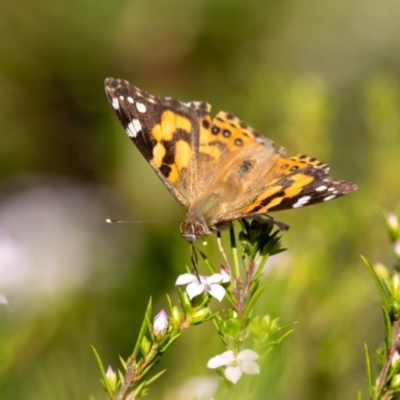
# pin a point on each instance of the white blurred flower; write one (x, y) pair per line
(392, 221)
(3, 299)
(199, 387)
(236, 365)
(52, 239)
(160, 323)
(395, 359)
(210, 284)
(395, 282)
(396, 248)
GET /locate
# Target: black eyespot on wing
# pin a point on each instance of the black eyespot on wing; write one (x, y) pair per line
(215, 130)
(206, 123)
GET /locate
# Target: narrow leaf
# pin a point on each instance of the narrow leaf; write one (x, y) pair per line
(369, 371)
(378, 282)
(144, 328)
(253, 300)
(155, 377)
(388, 328)
(104, 380)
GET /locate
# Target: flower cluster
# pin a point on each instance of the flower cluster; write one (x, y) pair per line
(236, 326)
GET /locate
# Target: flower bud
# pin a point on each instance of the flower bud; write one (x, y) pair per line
(111, 378)
(160, 323)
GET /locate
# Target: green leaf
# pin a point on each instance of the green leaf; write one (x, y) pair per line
(140, 390)
(170, 342)
(123, 362)
(170, 306)
(253, 300)
(234, 252)
(144, 328)
(378, 283)
(388, 328)
(103, 379)
(369, 371)
(207, 262)
(155, 377)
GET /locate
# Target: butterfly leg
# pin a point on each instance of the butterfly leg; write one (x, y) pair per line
(194, 259)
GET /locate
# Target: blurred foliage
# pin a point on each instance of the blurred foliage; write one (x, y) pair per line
(317, 77)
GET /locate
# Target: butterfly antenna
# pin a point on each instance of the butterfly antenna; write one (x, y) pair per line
(131, 221)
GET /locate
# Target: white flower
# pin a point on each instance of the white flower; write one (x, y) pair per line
(226, 276)
(210, 284)
(160, 323)
(236, 365)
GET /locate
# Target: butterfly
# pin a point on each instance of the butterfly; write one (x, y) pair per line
(218, 168)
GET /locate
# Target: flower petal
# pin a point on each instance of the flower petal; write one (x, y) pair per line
(247, 355)
(250, 367)
(233, 374)
(217, 291)
(221, 359)
(226, 277)
(184, 279)
(215, 278)
(194, 289)
(216, 362)
(228, 355)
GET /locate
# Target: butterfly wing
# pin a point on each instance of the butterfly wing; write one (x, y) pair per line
(250, 176)
(165, 131)
(218, 169)
(305, 183)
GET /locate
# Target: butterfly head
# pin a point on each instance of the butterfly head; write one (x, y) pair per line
(194, 228)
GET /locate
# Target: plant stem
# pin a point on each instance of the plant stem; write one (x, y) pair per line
(130, 372)
(382, 383)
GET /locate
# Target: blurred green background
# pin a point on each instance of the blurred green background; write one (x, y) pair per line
(317, 77)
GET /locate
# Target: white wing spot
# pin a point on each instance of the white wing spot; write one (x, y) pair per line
(151, 100)
(141, 107)
(327, 198)
(115, 103)
(133, 128)
(130, 99)
(321, 188)
(301, 201)
(331, 189)
(121, 97)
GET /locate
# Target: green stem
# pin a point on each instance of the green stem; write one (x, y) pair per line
(235, 257)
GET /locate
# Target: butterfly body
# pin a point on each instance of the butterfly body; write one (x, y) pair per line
(219, 169)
